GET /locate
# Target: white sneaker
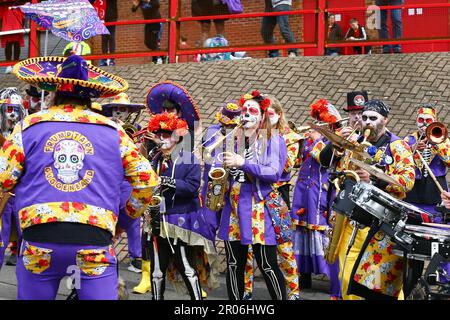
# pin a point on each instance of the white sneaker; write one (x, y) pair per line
(8, 69)
(292, 55)
(159, 61)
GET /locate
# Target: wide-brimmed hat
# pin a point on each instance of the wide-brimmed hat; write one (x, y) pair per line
(122, 100)
(168, 94)
(229, 114)
(356, 100)
(71, 76)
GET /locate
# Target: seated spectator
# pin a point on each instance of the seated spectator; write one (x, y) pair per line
(334, 34)
(209, 8)
(217, 41)
(268, 25)
(357, 33)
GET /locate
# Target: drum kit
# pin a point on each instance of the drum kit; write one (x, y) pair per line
(370, 206)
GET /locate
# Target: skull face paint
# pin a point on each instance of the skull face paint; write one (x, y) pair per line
(376, 123)
(120, 113)
(251, 114)
(167, 139)
(68, 160)
(355, 119)
(274, 117)
(423, 121)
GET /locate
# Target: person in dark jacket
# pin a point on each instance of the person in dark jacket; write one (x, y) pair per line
(152, 31)
(334, 34)
(357, 32)
(174, 229)
(109, 40)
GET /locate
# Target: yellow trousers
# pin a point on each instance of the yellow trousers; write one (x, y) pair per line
(346, 270)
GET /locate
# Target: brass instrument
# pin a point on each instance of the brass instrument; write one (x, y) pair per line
(154, 214)
(303, 129)
(218, 177)
(436, 133)
(209, 149)
(339, 221)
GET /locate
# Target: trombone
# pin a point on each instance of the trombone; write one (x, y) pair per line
(303, 129)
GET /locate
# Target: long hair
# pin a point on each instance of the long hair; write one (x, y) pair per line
(282, 124)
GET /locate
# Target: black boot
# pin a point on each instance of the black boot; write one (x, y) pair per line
(305, 281)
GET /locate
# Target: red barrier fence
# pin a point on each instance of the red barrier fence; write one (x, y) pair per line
(316, 12)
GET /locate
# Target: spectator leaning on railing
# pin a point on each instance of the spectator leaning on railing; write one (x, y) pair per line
(268, 25)
(357, 32)
(109, 40)
(396, 19)
(210, 8)
(334, 34)
(150, 11)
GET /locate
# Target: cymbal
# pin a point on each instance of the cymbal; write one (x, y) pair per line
(341, 142)
(375, 172)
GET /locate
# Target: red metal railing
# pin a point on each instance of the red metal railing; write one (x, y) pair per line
(174, 21)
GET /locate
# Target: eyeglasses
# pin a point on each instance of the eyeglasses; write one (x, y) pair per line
(422, 120)
(252, 110)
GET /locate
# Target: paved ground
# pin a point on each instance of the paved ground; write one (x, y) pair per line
(8, 289)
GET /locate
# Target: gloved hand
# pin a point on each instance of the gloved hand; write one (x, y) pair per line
(168, 182)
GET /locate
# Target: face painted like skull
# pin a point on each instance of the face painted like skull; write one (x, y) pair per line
(68, 160)
(251, 114)
(120, 113)
(423, 121)
(274, 117)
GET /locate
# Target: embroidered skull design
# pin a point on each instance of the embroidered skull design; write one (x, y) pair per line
(68, 160)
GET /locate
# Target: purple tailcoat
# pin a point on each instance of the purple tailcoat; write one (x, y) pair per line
(264, 171)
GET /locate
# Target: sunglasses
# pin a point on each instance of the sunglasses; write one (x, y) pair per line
(422, 120)
(252, 110)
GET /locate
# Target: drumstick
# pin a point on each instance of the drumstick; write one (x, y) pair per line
(447, 226)
(438, 185)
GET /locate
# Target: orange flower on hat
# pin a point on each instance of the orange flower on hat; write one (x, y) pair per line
(168, 122)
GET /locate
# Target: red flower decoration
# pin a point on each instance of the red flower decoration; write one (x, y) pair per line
(144, 176)
(65, 206)
(377, 258)
(68, 87)
(12, 153)
(168, 122)
(20, 157)
(7, 183)
(320, 112)
(36, 220)
(78, 206)
(93, 220)
(43, 263)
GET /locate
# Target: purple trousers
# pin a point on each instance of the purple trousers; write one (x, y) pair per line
(133, 229)
(41, 267)
(9, 219)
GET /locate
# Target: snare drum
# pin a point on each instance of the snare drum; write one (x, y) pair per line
(344, 205)
(426, 242)
(378, 203)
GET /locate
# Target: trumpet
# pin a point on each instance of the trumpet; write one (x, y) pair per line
(436, 132)
(130, 129)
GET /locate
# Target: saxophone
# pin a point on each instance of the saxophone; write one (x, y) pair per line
(339, 221)
(218, 177)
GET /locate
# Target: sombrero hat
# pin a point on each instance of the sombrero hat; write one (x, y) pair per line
(170, 94)
(70, 76)
(229, 114)
(122, 100)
